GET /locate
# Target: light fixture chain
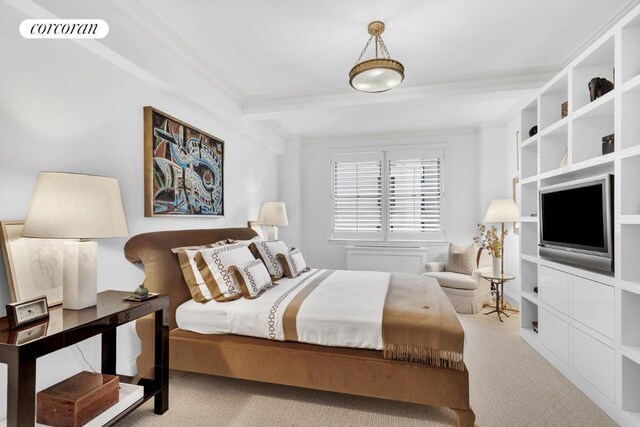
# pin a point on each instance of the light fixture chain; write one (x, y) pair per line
(383, 48)
(364, 50)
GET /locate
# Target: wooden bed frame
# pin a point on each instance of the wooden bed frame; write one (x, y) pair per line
(352, 371)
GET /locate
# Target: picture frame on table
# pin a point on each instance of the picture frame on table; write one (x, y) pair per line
(33, 266)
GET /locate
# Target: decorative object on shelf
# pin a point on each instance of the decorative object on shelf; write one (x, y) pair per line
(77, 400)
(76, 206)
(378, 74)
(24, 312)
(501, 211)
(33, 266)
(134, 298)
(141, 292)
(533, 131)
(535, 326)
(183, 168)
(608, 144)
(564, 161)
(598, 87)
(535, 289)
(564, 109)
(272, 216)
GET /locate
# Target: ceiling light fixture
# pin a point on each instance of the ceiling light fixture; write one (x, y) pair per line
(378, 74)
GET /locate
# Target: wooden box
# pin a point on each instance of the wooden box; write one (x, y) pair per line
(77, 400)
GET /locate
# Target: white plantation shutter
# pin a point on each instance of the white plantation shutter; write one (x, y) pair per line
(357, 196)
(393, 195)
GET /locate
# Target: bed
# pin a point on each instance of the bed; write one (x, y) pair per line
(357, 371)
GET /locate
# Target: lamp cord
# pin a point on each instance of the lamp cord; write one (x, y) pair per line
(84, 358)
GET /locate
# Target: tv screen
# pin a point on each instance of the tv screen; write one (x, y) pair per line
(575, 217)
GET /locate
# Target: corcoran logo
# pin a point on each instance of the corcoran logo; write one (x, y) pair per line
(64, 29)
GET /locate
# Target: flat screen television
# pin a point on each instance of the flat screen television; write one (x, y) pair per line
(576, 222)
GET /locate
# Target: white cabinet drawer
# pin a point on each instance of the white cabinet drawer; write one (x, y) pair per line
(554, 334)
(593, 305)
(553, 288)
(595, 362)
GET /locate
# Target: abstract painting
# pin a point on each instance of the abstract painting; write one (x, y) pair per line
(184, 168)
(34, 266)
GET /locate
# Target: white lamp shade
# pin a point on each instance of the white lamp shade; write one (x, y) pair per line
(273, 213)
(502, 210)
(75, 206)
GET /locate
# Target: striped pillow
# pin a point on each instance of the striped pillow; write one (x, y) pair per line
(213, 264)
(199, 290)
(253, 278)
(267, 250)
(293, 263)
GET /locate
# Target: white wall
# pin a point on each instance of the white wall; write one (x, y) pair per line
(461, 193)
(78, 107)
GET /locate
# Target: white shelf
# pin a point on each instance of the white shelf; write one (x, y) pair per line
(591, 163)
(553, 127)
(529, 335)
(529, 141)
(631, 85)
(595, 107)
(630, 219)
(529, 219)
(529, 258)
(632, 353)
(529, 180)
(530, 296)
(633, 287)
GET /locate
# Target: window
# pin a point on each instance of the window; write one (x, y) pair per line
(401, 200)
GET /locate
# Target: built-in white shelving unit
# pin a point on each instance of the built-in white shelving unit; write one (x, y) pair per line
(589, 323)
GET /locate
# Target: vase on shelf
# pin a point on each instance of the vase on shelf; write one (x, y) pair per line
(496, 266)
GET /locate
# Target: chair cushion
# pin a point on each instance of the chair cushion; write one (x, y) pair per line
(454, 280)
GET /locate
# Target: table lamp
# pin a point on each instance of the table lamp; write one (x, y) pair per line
(76, 206)
(273, 215)
(502, 211)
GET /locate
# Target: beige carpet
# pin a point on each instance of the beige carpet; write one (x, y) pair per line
(511, 385)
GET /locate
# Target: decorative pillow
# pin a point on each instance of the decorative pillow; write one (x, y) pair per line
(233, 241)
(253, 278)
(199, 290)
(267, 250)
(462, 260)
(213, 264)
(293, 262)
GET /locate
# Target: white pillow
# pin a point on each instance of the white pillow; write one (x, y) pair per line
(267, 250)
(253, 278)
(213, 264)
(293, 263)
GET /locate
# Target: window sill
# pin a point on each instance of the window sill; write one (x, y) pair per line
(381, 243)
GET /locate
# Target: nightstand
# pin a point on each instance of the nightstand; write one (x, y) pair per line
(20, 348)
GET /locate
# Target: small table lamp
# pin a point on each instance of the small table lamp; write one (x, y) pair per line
(76, 206)
(502, 210)
(273, 215)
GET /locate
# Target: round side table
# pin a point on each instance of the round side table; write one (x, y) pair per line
(497, 288)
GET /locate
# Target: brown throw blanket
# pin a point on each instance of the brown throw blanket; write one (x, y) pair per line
(420, 325)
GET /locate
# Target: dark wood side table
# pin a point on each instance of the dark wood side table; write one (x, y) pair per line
(497, 288)
(19, 349)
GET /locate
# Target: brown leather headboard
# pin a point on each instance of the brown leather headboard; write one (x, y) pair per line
(161, 267)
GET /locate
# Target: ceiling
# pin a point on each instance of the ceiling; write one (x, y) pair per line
(286, 62)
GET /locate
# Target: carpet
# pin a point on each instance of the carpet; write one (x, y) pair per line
(511, 385)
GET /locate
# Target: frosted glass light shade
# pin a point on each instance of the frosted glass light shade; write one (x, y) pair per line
(273, 213)
(75, 206)
(376, 75)
(502, 210)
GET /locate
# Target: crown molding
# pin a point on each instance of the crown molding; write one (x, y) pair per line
(279, 106)
(145, 20)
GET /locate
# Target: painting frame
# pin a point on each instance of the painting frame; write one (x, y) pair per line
(208, 174)
(17, 253)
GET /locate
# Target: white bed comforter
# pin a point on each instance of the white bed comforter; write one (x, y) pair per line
(344, 310)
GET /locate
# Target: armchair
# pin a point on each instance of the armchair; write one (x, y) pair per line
(467, 294)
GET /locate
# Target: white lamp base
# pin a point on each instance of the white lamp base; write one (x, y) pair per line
(271, 232)
(79, 275)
